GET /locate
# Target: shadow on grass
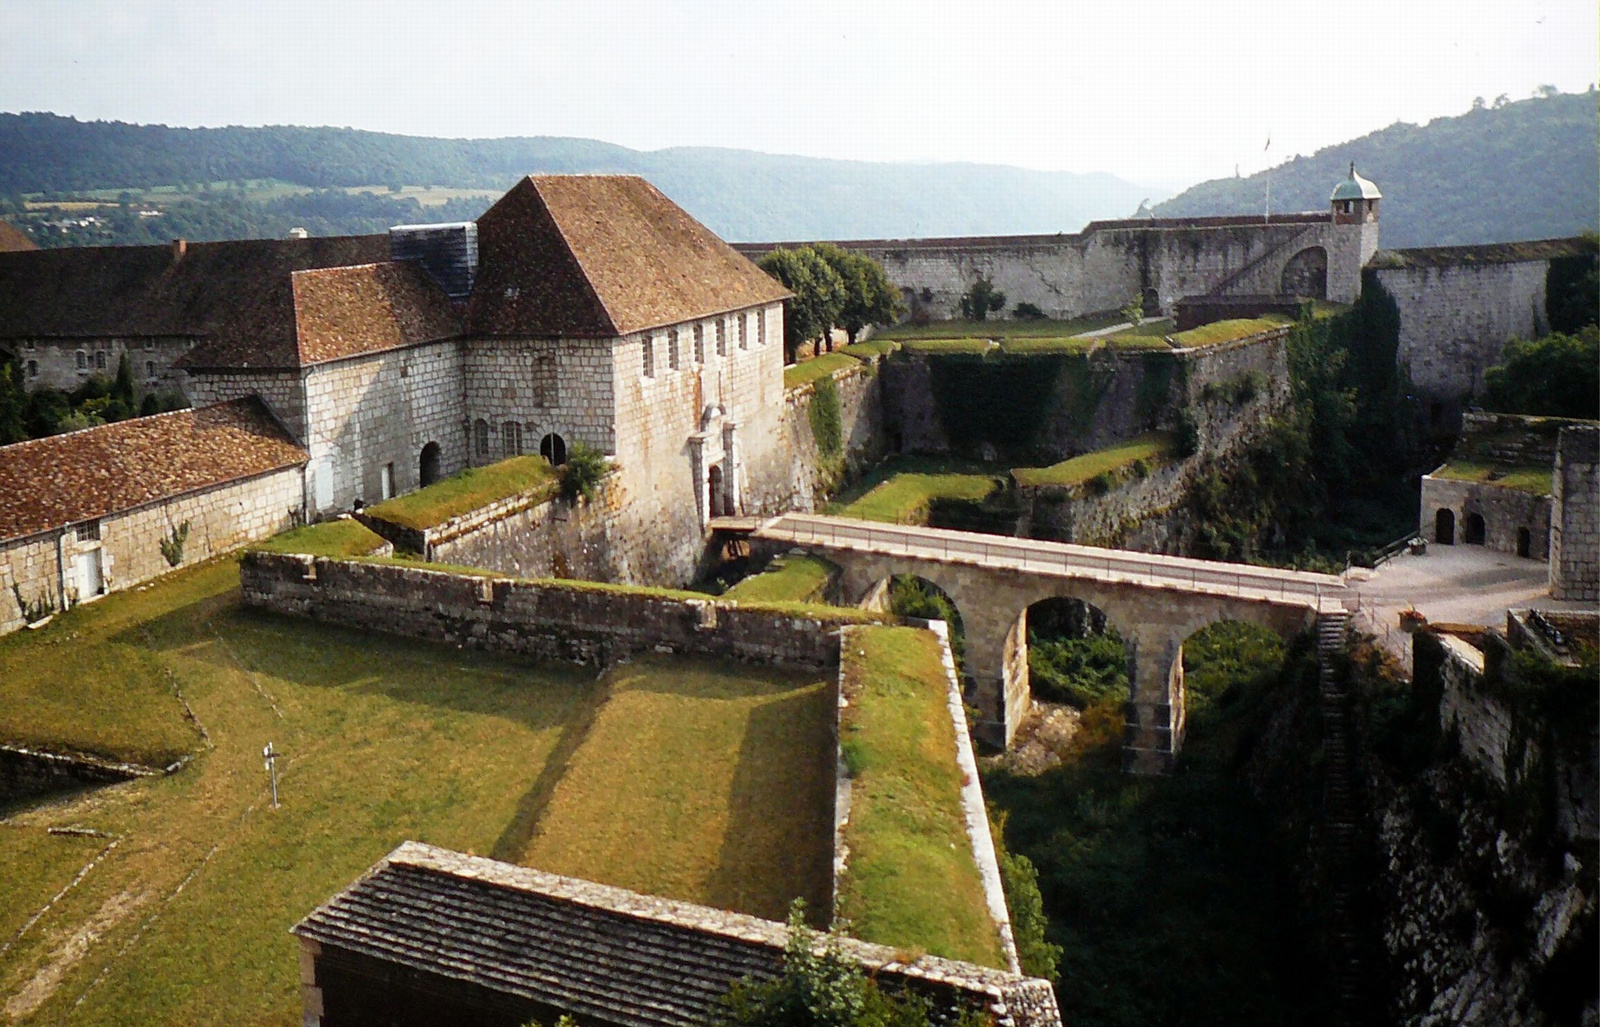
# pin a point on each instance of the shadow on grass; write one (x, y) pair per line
(524, 824)
(779, 840)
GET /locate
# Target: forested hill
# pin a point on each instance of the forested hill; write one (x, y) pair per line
(1525, 170)
(740, 194)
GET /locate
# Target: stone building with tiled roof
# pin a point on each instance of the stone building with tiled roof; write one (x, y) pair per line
(106, 508)
(581, 308)
(433, 936)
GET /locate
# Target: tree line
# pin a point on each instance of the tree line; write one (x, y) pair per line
(833, 288)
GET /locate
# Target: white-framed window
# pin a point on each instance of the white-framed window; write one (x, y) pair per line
(28, 344)
(511, 438)
(83, 360)
(722, 336)
(699, 347)
(648, 346)
(761, 327)
(89, 531)
(99, 360)
(672, 349)
(744, 330)
(480, 436)
(33, 369)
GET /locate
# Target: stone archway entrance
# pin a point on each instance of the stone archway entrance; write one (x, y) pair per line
(719, 499)
(1472, 529)
(554, 449)
(428, 465)
(1444, 527)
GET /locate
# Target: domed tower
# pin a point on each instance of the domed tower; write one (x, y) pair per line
(1353, 235)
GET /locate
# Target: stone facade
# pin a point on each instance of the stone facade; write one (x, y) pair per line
(808, 478)
(1511, 520)
(64, 567)
(1575, 522)
(65, 364)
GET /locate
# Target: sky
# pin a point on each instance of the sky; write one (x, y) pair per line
(1161, 93)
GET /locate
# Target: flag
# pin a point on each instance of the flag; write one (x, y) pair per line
(1267, 147)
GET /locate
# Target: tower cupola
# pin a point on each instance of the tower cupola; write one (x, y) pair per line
(1355, 200)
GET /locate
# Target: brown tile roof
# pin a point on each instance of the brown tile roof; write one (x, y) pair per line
(12, 239)
(311, 317)
(599, 255)
(51, 482)
(608, 955)
(143, 290)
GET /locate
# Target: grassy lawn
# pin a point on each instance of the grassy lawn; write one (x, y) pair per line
(383, 739)
(788, 578)
(1536, 480)
(903, 497)
(934, 347)
(1002, 329)
(808, 371)
(699, 781)
(910, 880)
(877, 346)
(467, 491)
(335, 539)
(1230, 330)
(38, 865)
(1048, 344)
(1152, 446)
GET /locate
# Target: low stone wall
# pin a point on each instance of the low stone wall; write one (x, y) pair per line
(580, 623)
(25, 773)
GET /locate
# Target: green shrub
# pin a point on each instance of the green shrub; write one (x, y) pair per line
(172, 545)
(1102, 483)
(582, 473)
(1019, 878)
(1027, 312)
(827, 422)
(1079, 671)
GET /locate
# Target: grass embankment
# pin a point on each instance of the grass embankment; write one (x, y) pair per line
(910, 880)
(1151, 447)
(801, 579)
(874, 347)
(383, 739)
(336, 539)
(1002, 328)
(901, 491)
(1537, 480)
(1229, 331)
(38, 865)
(807, 371)
(698, 781)
(469, 490)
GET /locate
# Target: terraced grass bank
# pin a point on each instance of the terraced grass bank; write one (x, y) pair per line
(910, 880)
(470, 490)
(671, 776)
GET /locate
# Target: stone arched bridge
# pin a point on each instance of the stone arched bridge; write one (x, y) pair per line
(1155, 602)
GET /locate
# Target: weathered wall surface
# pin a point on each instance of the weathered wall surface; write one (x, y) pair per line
(1575, 518)
(1505, 512)
(28, 772)
(809, 476)
(65, 364)
(583, 624)
(1455, 320)
(43, 569)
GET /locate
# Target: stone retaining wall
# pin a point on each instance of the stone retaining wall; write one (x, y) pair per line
(25, 772)
(565, 621)
(1575, 519)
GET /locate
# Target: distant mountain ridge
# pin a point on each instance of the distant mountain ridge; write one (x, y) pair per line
(742, 195)
(1527, 170)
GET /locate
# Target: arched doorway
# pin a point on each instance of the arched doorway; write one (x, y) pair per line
(554, 449)
(428, 466)
(718, 499)
(1472, 529)
(1444, 526)
(1306, 274)
(1524, 542)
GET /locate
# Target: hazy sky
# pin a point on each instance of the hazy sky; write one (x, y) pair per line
(1157, 92)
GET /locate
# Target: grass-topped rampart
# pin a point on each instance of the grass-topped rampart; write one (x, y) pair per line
(903, 493)
(825, 366)
(334, 539)
(791, 578)
(1535, 480)
(910, 879)
(471, 489)
(1105, 465)
(1230, 330)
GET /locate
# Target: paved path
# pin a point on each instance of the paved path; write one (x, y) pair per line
(1320, 592)
(1114, 329)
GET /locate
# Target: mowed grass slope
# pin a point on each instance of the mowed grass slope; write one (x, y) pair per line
(910, 880)
(696, 781)
(383, 739)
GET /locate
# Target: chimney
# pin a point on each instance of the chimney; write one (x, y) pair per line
(449, 253)
(179, 248)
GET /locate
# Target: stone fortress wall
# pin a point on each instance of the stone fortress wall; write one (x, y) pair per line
(1575, 523)
(66, 363)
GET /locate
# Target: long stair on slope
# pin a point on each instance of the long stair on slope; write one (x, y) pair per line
(1234, 277)
(1340, 818)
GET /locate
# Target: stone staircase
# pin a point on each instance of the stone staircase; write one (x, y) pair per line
(1340, 818)
(1287, 245)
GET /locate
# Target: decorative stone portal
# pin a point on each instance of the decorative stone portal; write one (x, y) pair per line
(714, 456)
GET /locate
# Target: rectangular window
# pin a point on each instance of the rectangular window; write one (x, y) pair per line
(672, 349)
(100, 360)
(699, 347)
(649, 347)
(480, 436)
(761, 327)
(29, 344)
(149, 368)
(546, 391)
(722, 336)
(386, 486)
(700, 338)
(744, 330)
(33, 369)
(511, 438)
(89, 531)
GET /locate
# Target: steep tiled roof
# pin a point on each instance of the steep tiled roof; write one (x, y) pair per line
(310, 317)
(12, 240)
(148, 290)
(606, 954)
(51, 482)
(598, 255)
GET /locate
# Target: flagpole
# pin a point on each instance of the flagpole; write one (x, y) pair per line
(1266, 214)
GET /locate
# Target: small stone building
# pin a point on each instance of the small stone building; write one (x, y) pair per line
(1495, 490)
(107, 508)
(429, 936)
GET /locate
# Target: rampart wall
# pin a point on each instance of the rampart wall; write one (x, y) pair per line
(1575, 519)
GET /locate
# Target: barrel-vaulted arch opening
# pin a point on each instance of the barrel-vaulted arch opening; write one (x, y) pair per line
(1225, 668)
(1075, 657)
(908, 595)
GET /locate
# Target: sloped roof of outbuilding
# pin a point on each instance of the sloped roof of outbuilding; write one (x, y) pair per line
(602, 255)
(605, 954)
(83, 475)
(148, 290)
(312, 317)
(14, 240)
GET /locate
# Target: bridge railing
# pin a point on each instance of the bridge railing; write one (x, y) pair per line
(1063, 559)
